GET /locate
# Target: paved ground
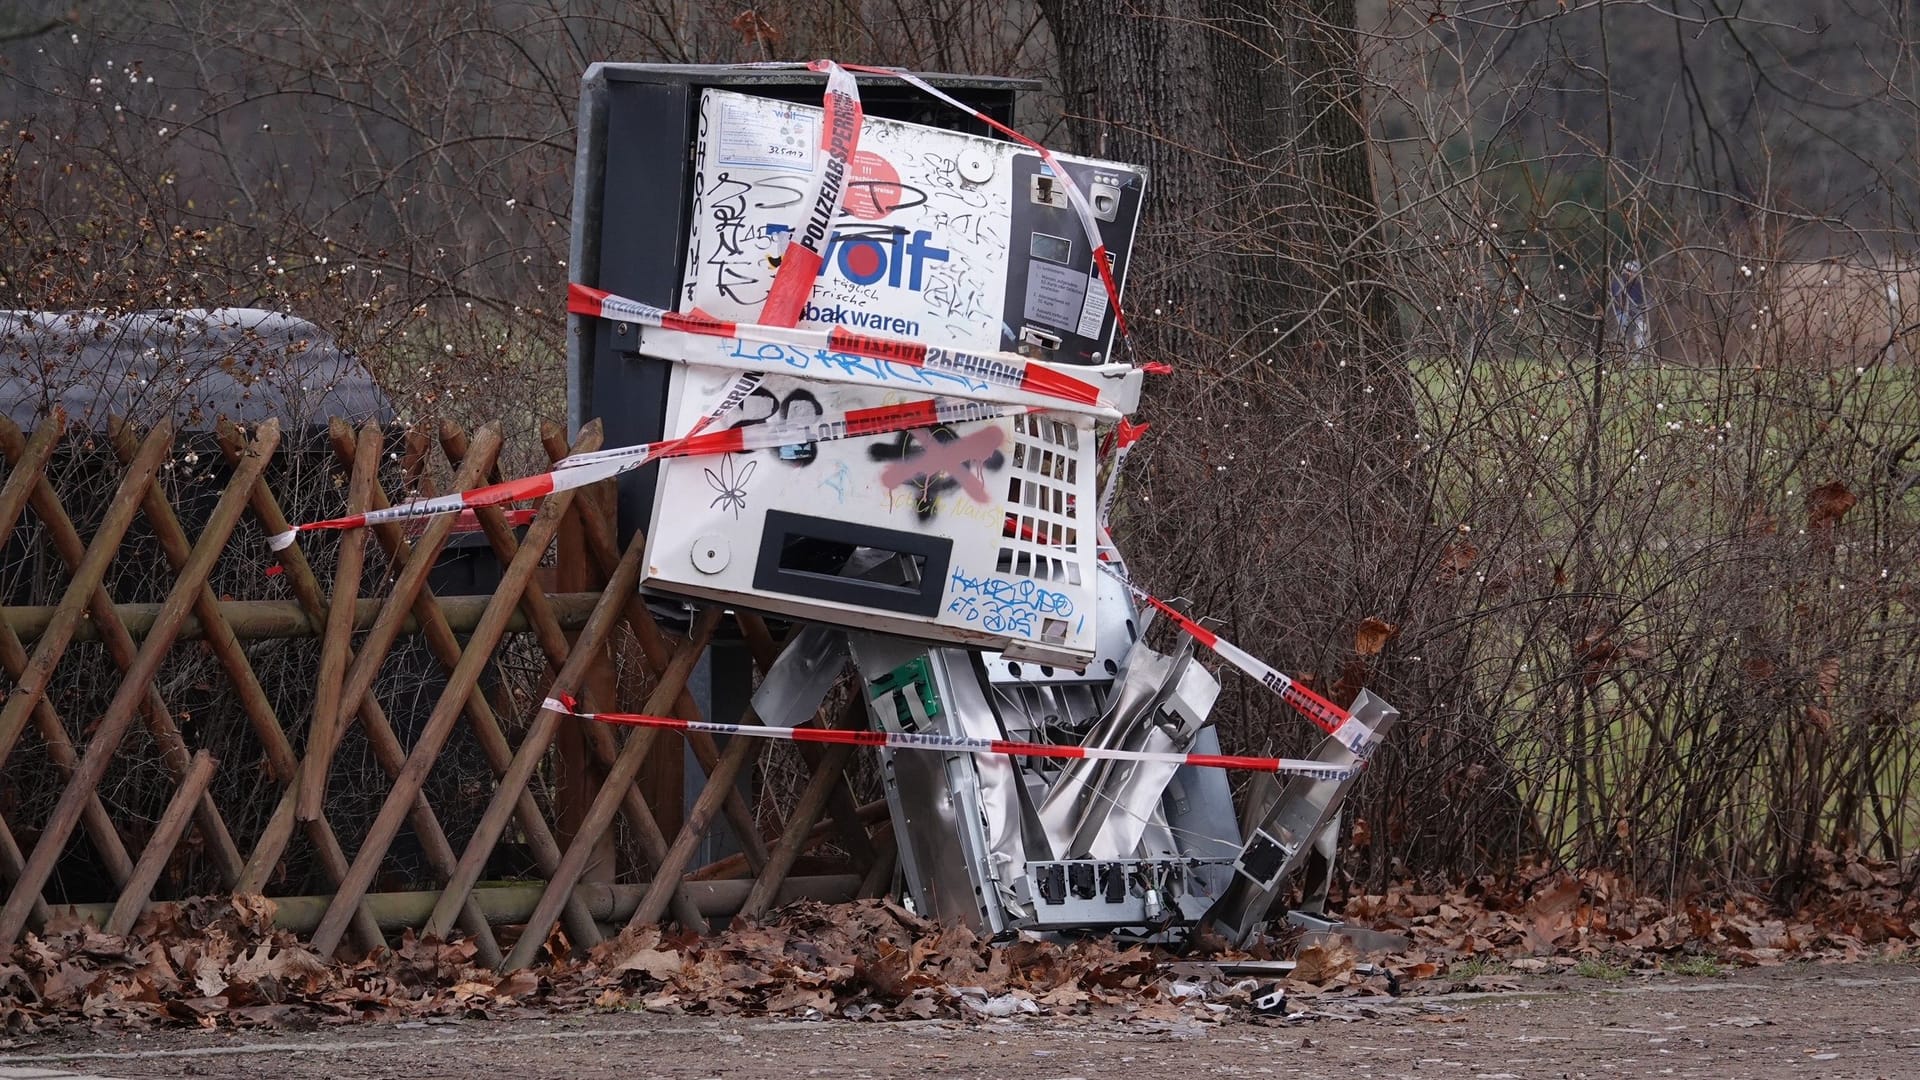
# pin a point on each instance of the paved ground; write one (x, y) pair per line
(1840, 1021)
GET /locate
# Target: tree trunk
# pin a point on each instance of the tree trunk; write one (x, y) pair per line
(1278, 490)
(1334, 148)
(1261, 218)
(1184, 89)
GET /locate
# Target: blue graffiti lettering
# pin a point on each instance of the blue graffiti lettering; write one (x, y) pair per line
(1005, 605)
(794, 358)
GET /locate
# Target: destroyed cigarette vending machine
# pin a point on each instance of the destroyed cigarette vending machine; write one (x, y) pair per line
(909, 327)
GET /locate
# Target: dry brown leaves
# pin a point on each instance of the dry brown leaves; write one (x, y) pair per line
(871, 959)
(1828, 503)
(755, 30)
(1858, 907)
(1372, 635)
(184, 963)
(221, 964)
(212, 965)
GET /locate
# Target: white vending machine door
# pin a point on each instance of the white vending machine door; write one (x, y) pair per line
(976, 533)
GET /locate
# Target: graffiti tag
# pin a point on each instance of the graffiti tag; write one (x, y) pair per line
(794, 358)
(930, 462)
(1005, 605)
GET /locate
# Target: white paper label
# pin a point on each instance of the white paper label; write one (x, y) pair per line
(768, 136)
(1093, 313)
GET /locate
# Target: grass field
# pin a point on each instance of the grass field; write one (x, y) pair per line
(1691, 598)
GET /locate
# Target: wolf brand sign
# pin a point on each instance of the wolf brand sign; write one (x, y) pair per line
(868, 256)
(952, 239)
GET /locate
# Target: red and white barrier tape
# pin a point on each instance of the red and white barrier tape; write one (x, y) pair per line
(1348, 730)
(582, 469)
(1000, 369)
(964, 744)
(469, 522)
(736, 396)
(826, 192)
(853, 424)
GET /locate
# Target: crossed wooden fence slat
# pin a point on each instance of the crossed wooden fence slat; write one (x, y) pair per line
(567, 828)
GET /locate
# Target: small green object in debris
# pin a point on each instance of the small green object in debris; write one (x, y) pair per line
(911, 676)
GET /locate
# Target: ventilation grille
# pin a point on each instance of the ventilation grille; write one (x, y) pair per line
(1044, 502)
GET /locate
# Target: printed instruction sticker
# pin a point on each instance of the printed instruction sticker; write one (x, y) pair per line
(768, 135)
(1055, 294)
(1093, 313)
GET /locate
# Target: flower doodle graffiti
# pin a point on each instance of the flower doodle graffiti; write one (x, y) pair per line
(731, 483)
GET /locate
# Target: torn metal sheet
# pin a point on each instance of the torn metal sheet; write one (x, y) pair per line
(1005, 844)
(1078, 795)
(1154, 848)
(957, 816)
(802, 676)
(1134, 792)
(1280, 842)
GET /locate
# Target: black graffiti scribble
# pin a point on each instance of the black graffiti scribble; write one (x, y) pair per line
(788, 186)
(731, 484)
(736, 266)
(888, 195)
(927, 487)
(729, 212)
(795, 406)
(730, 281)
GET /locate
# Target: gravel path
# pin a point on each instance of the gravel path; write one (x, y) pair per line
(1848, 1021)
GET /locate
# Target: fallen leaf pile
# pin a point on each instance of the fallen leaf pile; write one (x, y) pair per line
(212, 965)
(215, 963)
(865, 959)
(196, 962)
(1856, 907)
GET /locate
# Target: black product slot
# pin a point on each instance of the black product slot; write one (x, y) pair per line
(809, 556)
(1080, 880)
(1113, 881)
(1053, 884)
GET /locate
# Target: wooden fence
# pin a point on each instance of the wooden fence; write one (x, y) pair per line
(554, 787)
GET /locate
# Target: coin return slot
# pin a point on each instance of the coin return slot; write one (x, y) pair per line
(1032, 337)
